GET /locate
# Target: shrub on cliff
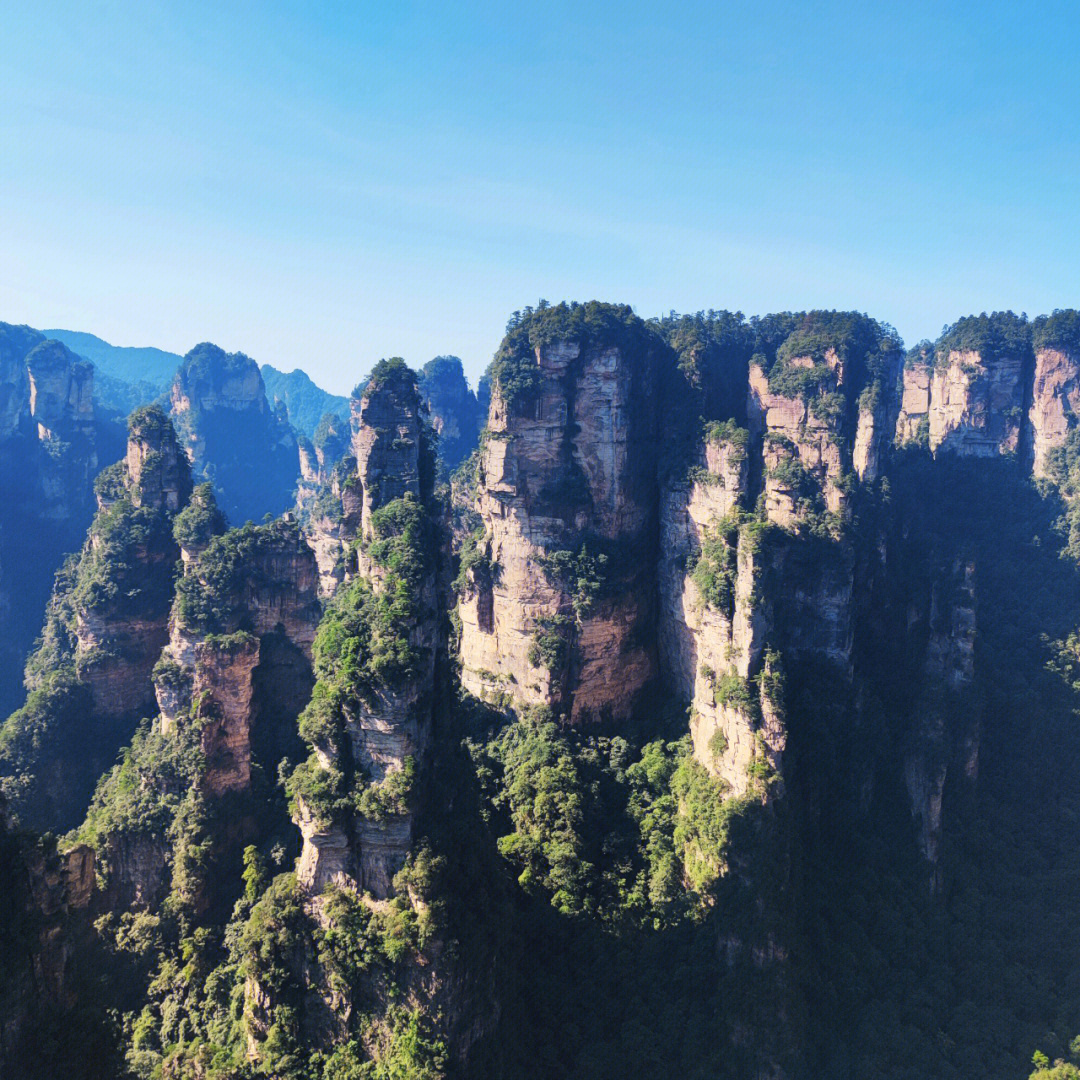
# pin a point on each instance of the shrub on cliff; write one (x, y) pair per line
(200, 521)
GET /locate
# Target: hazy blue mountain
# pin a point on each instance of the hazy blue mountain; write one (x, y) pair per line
(123, 362)
(305, 402)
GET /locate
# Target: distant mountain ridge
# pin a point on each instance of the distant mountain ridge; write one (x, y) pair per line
(129, 363)
(305, 402)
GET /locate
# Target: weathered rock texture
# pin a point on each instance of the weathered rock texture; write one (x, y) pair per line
(711, 646)
(566, 477)
(968, 396)
(118, 641)
(1055, 402)
(389, 729)
(737, 592)
(265, 615)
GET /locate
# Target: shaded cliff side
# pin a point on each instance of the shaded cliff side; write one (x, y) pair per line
(89, 679)
(232, 435)
(455, 412)
(52, 443)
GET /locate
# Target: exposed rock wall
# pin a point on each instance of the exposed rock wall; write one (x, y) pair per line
(739, 590)
(223, 688)
(567, 471)
(1055, 402)
(210, 671)
(232, 435)
(118, 642)
(965, 402)
(388, 727)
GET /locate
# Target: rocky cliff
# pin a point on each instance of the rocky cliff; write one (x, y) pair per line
(743, 720)
(556, 588)
(453, 407)
(739, 588)
(383, 710)
(106, 623)
(51, 444)
(969, 394)
(232, 435)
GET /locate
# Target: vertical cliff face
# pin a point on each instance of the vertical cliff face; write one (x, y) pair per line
(714, 613)
(246, 588)
(1055, 403)
(232, 435)
(1055, 395)
(106, 623)
(60, 392)
(754, 562)
(556, 599)
(369, 721)
(119, 636)
(969, 394)
(455, 412)
(50, 445)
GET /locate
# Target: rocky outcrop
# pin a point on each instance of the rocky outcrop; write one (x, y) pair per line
(1055, 402)
(51, 443)
(823, 420)
(976, 404)
(223, 688)
(387, 722)
(232, 435)
(553, 611)
(454, 409)
(713, 614)
(739, 589)
(969, 394)
(246, 606)
(118, 640)
(61, 391)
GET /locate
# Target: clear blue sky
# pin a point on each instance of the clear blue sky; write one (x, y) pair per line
(320, 185)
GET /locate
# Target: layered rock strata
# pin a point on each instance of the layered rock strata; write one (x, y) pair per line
(968, 401)
(554, 608)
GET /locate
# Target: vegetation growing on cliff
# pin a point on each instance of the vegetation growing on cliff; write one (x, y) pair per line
(1060, 330)
(628, 836)
(864, 349)
(993, 337)
(211, 598)
(200, 521)
(515, 371)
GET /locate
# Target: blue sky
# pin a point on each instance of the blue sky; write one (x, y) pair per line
(321, 185)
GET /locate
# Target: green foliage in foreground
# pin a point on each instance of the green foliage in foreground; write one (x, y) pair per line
(602, 830)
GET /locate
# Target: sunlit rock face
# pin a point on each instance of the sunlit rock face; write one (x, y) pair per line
(566, 492)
